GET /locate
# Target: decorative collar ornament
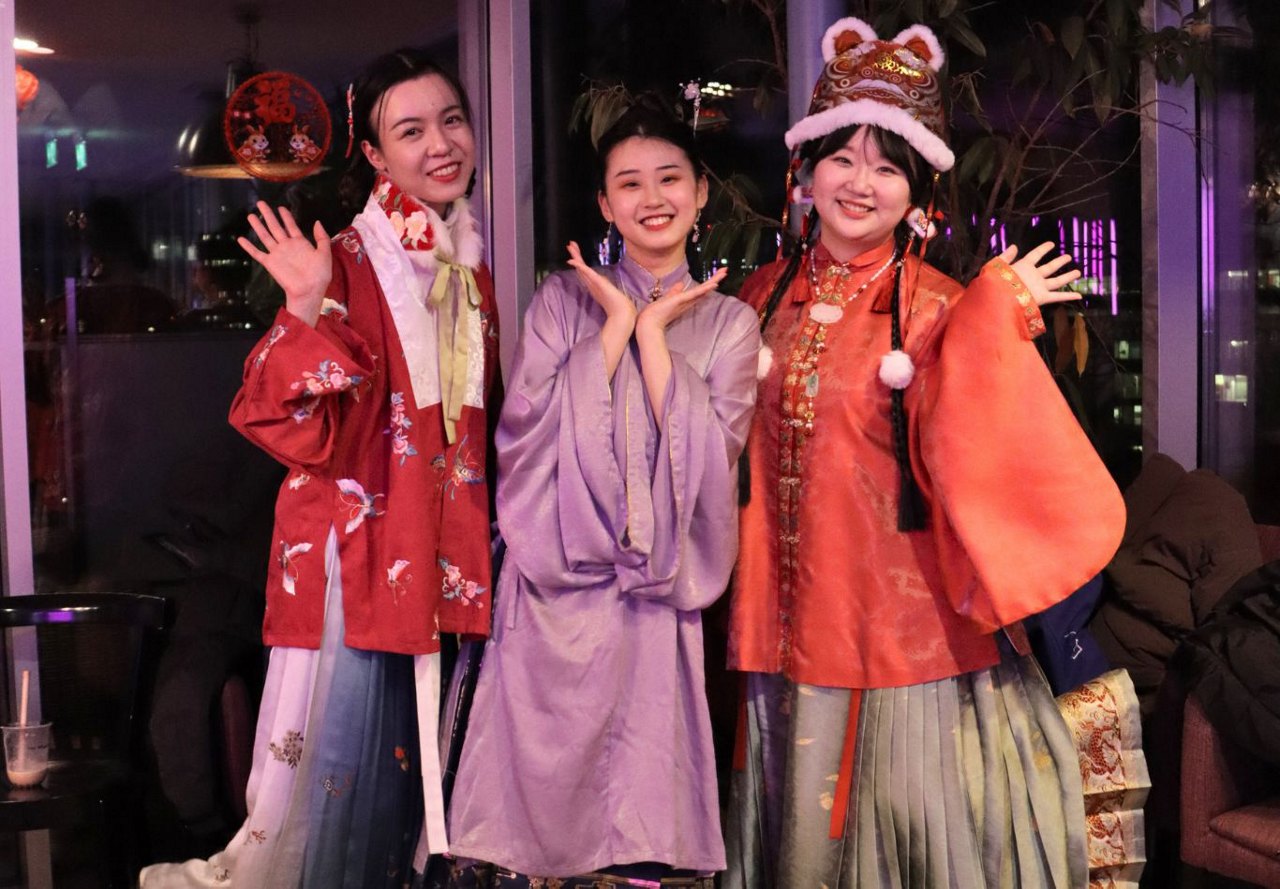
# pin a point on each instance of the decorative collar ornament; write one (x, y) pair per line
(830, 298)
(408, 215)
(891, 84)
(435, 272)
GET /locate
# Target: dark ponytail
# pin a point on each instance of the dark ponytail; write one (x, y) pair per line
(789, 272)
(911, 512)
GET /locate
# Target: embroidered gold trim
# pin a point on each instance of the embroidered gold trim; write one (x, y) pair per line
(1030, 311)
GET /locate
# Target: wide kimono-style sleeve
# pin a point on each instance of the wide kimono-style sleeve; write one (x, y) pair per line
(589, 493)
(1023, 510)
(293, 378)
(684, 523)
(557, 538)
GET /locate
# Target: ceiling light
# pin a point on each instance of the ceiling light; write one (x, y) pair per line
(31, 47)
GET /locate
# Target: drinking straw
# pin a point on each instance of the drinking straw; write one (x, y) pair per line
(22, 720)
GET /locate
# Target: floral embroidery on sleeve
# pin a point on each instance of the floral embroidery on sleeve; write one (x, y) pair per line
(1030, 311)
(399, 430)
(398, 580)
(360, 505)
(330, 378)
(350, 242)
(290, 573)
(277, 333)
(453, 585)
(297, 481)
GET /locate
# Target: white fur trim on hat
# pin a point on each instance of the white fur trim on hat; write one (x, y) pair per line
(860, 28)
(936, 58)
(887, 117)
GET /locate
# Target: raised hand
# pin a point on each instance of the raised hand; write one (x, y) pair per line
(675, 302)
(615, 303)
(1039, 278)
(302, 269)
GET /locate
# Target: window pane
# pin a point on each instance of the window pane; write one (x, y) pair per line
(139, 306)
(1241, 147)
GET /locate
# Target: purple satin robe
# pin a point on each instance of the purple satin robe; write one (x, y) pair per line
(589, 741)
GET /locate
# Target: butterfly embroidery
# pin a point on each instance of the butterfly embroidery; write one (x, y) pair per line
(398, 580)
(462, 474)
(359, 504)
(289, 564)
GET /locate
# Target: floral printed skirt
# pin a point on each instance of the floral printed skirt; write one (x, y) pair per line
(335, 793)
(968, 782)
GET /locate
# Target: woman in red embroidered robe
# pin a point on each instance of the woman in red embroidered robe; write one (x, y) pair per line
(372, 386)
(907, 510)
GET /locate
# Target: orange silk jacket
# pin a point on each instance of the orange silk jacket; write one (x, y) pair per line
(1021, 509)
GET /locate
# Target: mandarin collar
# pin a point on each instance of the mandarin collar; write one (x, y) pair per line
(639, 281)
(863, 262)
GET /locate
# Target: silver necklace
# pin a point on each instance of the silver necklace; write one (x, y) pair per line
(828, 308)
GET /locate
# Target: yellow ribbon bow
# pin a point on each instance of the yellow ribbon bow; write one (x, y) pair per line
(453, 340)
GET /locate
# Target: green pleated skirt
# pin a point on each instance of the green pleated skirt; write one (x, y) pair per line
(967, 782)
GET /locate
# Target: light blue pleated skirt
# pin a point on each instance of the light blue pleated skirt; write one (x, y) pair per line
(335, 791)
(968, 782)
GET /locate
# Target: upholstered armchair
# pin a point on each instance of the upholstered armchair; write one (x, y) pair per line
(1230, 800)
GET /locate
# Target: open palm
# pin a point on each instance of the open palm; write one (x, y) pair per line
(602, 290)
(302, 269)
(1039, 278)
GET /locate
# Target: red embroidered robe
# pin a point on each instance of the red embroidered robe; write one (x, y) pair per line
(335, 404)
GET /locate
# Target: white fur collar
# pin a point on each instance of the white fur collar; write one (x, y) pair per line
(457, 239)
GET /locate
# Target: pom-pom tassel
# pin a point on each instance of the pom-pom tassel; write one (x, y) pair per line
(896, 369)
(764, 362)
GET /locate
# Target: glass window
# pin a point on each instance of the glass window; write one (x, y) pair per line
(1240, 203)
(138, 305)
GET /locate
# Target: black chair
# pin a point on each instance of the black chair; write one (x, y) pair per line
(92, 648)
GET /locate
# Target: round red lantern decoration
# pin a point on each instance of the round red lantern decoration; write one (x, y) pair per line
(277, 127)
(28, 86)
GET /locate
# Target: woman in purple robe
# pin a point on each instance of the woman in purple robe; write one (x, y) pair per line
(589, 756)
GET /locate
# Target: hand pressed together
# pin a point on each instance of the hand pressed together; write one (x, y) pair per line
(675, 302)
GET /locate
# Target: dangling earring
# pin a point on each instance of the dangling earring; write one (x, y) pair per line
(920, 223)
(604, 252)
(696, 219)
(351, 119)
